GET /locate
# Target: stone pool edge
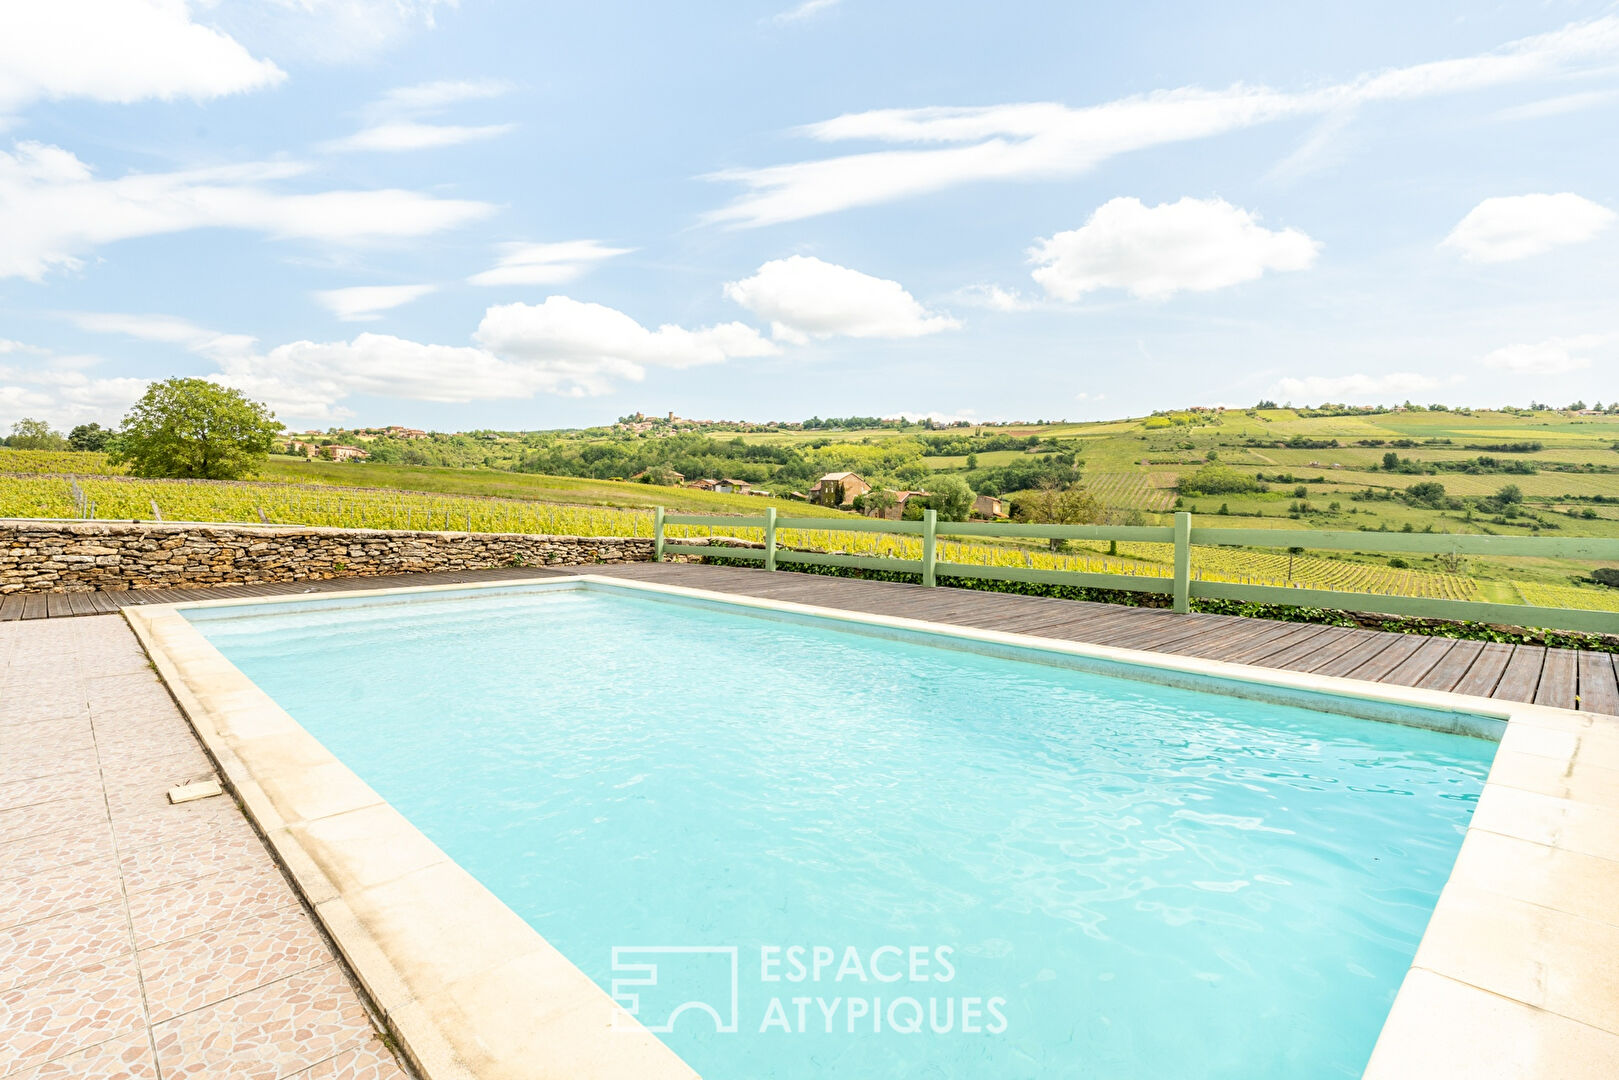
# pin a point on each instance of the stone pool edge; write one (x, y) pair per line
(1509, 978)
(468, 990)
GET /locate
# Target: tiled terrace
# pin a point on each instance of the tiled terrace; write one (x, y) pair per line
(138, 939)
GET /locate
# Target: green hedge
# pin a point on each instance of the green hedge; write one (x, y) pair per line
(1467, 631)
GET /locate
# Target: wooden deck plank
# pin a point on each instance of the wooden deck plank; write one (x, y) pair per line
(57, 606)
(33, 606)
(1376, 668)
(81, 604)
(11, 607)
(1302, 656)
(1450, 669)
(1599, 683)
(1559, 679)
(1485, 674)
(1354, 658)
(1522, 676)
(1302, 633)
(1426, 653)
(1236, 641)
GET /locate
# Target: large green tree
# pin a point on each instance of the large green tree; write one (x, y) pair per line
(195, 429)
(88, 437)
(951, 497)
(28, 434)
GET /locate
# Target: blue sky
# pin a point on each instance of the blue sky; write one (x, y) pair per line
(510, 214)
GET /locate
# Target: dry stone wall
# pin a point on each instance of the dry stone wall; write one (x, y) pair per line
(82, 556)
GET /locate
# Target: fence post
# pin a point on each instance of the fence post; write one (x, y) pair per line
(657, 534)
(1183, 562)
(770, 538)
(930, 533)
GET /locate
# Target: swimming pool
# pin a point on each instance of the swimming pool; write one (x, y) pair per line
(1118, 878)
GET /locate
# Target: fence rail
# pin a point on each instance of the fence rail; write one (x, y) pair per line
(1181, 585)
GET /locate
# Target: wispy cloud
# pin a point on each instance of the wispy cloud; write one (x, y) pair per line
(413, 135)
(362, 303)
(397, 121)
(805, 10)
(941, 147)
(1554, 356)
(545, 264)
(54, 209)
(1357, 387)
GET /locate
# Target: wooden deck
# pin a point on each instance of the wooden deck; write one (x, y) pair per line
(1558, 677)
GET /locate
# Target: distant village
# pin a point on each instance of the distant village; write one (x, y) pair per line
(839, 490)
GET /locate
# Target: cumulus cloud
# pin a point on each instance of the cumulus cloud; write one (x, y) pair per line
(1517, 226)
(119, 51)
(359, 303)
(1555, 356)
(1357, 387)
(587, 346)
(54, 209)
(1194, 245)
(545, 264)
(396, 122)
(804, 297)
(562, 346)
(59, 389)
(948, 146)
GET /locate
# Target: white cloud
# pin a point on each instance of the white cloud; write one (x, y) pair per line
(1555, 356)
(119, 51)
(1194, 244)
(545, 264)
(805, 10)
(331, 31)
(412, 135)
(1357, 388)
(994, 298)
(561, 346)
(167, 330)
(53, 209)
(1557, 106)
(57, 389)
(396, 119)
(1045, 140)
(804, 297)
(359, 303)
(588, 346)
(430, 96)
(1517, 226)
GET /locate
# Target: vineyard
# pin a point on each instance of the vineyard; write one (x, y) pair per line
(1130, 491)
(42, 495)
(1568, 596)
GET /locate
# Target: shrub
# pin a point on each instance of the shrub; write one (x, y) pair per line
(1219, 480)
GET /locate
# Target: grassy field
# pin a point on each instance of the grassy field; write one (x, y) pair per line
(1133, 465)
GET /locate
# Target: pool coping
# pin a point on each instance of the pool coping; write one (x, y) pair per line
(1513, 975)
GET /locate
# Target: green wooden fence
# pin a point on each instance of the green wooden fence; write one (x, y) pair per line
(1181, 586)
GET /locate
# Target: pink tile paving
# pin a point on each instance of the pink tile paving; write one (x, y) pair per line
(140, 940)
(62, 943)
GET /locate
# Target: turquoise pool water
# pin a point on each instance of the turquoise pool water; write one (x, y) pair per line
(1120, 879)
